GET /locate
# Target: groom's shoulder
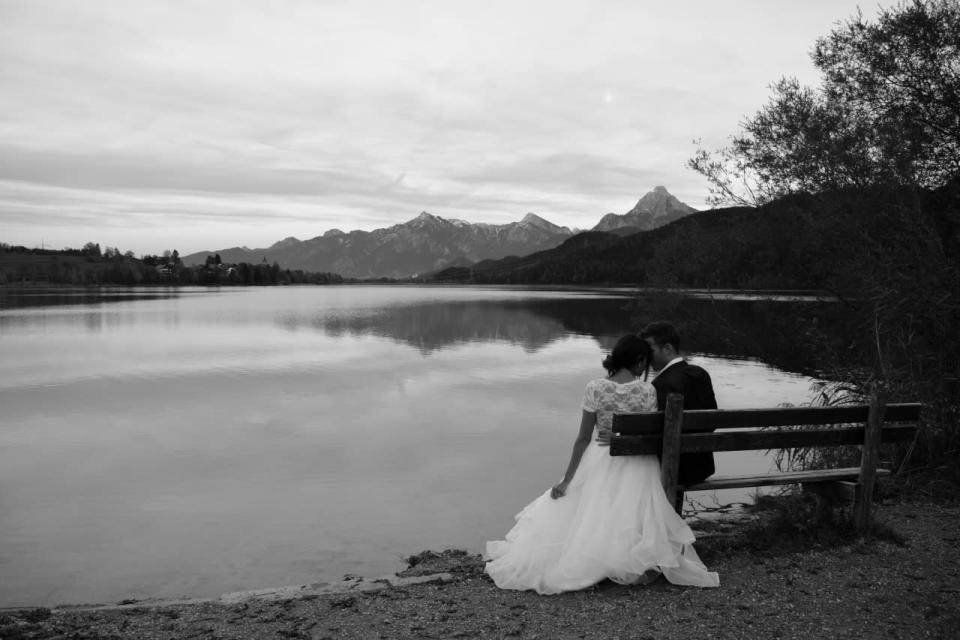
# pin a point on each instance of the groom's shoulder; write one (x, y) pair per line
(694, 371)
(693, 367)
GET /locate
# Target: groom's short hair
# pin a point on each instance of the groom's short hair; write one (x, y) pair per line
(662, 333)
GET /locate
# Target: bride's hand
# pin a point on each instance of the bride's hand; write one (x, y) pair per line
(603, 436)
(559, 490)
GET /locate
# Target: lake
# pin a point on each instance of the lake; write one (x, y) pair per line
(163, 442)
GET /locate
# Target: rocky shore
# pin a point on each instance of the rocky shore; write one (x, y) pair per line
(903, 584)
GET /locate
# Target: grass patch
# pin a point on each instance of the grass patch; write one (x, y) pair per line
(936, 483)
(455, 561)
(790, 523)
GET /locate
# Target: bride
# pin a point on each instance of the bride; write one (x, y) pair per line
(609, 517)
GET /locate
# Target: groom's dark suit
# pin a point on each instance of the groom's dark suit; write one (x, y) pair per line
(697, 389)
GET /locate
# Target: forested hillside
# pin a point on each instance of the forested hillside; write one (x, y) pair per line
(797, 242)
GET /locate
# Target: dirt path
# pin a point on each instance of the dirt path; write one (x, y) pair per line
(860, 590)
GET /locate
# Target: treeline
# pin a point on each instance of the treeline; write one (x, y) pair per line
(93, 266)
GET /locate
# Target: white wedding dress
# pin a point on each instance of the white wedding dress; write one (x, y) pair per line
(614, 522)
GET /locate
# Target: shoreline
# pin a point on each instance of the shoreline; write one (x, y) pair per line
(270, 594)
(904, 588)
(436, 565)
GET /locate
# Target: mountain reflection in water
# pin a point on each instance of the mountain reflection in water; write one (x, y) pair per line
(748, 327)
(434, 325)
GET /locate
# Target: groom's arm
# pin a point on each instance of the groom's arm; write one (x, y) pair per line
(706, 399)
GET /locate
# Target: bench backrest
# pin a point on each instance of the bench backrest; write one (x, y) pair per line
(675, 431)
(642, 433)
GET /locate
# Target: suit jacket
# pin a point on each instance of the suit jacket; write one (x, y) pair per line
(697, 389)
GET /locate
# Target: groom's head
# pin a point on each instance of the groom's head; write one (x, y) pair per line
(664, 342)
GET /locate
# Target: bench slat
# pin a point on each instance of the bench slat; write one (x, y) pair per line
(793, 477)
(625, 445)
(699, 420)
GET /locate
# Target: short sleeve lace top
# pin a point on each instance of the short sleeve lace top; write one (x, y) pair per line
(606, 397)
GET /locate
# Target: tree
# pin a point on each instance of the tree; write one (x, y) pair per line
(92, 249)
(879, 143)
(887, 112)
(903, 74)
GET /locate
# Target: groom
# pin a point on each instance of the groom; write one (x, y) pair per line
(676, 375)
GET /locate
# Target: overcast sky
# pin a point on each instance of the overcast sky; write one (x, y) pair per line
(162, 124)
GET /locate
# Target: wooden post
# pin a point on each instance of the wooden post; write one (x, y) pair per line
(670, 456)
(869, 458)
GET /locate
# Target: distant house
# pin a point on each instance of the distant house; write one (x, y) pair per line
(168, 272)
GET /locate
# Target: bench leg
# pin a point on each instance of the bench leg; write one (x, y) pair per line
(678, 502)
(670, 455)
(869, 458)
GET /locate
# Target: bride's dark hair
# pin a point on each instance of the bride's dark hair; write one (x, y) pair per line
(627, 353)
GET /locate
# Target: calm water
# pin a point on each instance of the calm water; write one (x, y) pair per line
(192, 442)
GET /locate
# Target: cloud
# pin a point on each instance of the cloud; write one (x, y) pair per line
(126, 171)
(347, 115)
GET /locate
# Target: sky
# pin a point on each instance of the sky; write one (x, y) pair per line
(152, 125)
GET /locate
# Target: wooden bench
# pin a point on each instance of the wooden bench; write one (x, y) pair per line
(674, 431)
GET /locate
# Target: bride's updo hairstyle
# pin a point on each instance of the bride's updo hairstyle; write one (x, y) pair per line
(629, 351)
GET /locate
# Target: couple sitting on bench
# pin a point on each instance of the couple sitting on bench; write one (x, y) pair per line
(609, 517)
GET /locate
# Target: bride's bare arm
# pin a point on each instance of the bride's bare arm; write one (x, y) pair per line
(587, 422)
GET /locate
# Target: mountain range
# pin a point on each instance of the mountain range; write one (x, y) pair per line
(430, 243)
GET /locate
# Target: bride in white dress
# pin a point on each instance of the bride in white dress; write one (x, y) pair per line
(609, 517)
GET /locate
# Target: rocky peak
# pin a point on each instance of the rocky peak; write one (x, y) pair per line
(533, 220)
(655, 209)
(425, 220)
(333, 233)
(660, 202)
(286, 242)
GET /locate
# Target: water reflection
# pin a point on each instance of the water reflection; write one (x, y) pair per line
(25, 297)
(433, 325)
(771, 329)
(92, 319)
(741, 327)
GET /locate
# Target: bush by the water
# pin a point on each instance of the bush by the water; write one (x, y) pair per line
(789, 523)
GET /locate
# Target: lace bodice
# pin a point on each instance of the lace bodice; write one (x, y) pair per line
(606, 397)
